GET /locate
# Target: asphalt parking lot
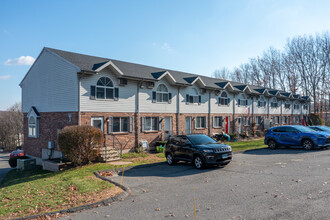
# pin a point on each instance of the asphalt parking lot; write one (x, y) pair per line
(258, 184)
(4, 166)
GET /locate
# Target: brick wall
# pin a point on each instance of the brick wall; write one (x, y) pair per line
(49, 124)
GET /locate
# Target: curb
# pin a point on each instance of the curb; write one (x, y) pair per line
(104, 202)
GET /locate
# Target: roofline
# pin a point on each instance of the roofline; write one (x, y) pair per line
(167, 73)
(110, 63)
(198, 78)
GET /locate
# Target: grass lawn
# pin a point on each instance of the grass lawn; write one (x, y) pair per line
(38, 191)
(35, 192)
(247, 145)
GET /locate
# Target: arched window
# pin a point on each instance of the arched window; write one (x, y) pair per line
(274, 103)
(296, 106)
(243, 101)
(104, 88)
(224, 100)
(32, 124)
(162, 93)
(262, 102)
(287, 104)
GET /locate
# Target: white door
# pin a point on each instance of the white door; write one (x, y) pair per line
(97, 122)
(168, 127)
(239, 122)
(188, 125)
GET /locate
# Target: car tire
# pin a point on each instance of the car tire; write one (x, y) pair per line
(272, 144)
(12, 162)
(199, 162)
(307, 144)
(170, 159)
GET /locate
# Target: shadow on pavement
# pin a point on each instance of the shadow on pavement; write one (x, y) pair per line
(267, 151)
(165, 170)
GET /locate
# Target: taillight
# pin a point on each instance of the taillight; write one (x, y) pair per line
(21, 155)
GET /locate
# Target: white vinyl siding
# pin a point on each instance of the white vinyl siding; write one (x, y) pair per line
(51, 85)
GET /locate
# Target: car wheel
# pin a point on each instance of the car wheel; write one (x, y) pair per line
(198, 161)
(272, 144)
(170, 159)
(307, 144)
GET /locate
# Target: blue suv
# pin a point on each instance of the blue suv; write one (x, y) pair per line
(296, 135)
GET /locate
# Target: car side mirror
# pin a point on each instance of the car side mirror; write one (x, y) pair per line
(296, 132)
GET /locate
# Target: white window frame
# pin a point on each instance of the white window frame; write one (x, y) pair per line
(162, 94)
(287, 105)
(198, 122)
(194, 98)
(277, 120)
(111, 124)
(152, 119)
(33, 129)
(216, 120)
(296, 106)
(244, 99)
(224, 99)
(305, 107)
(256, 120)
(284, 120)
(274, 103)
(98, 118)
(261, 102)
(246, 121)
(104, 87)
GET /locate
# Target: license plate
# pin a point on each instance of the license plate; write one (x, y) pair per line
(224, 156)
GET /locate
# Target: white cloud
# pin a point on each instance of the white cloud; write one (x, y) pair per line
(164, 46)
(22, 60)
(5, 77)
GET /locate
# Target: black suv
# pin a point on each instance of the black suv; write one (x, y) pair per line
(197, 148)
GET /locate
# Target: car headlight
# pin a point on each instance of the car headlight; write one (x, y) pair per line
(208, 150)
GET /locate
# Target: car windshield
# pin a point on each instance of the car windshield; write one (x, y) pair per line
(304, 129)
(324, 128)
(201, 139)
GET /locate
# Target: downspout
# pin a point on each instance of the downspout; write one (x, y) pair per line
(281, 113)
(178, 112)
(234, 103)
(209, 115)
(79, 113)
(138, 112)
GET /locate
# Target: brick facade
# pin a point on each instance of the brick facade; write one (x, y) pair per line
(49, 124)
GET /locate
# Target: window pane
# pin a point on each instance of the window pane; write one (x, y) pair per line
(147, 125)
(97, 123)
(159, 97)
(203, 122)
(99, 93)
(165, 97)
(154, 123)
(124, 124)
(109, 94)
(116, 125)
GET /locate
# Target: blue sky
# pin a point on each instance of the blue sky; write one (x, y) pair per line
(187, 35)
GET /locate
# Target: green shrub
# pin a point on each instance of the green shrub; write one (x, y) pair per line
(314, 119)
(80, 144)
(233, 137)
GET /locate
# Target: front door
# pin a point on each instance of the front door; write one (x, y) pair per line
(188, 125)
(227, 125)
(168, 127)
(97, 122)
(239, 124)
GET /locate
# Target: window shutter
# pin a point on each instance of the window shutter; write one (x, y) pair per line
(169, 98)
(187, 99)
(116, 94)
(214, 125)
(143, 120)
(195, 122)
(219, 100)
(92, 92)
(131, 122)
(206, 122)
(199, 99)
(110, 125)
(154, 97)
(160, 127)
(228, 101)
(239, 102)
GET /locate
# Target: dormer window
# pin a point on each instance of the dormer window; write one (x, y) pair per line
(243, 101)
(193, 97)
(274, 103)
(104, 90)
(161, 95)
(223, 99)
(261, 102)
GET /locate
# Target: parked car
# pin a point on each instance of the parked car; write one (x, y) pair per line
(320, 128)
(13, 156)
(296, 135)
(200, 149)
